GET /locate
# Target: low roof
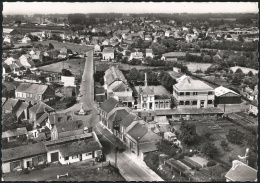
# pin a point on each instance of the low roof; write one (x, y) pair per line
(148, 147)
(14, 132)
(242, 173)
(175, 54)
(188, 84)
(219, 91)
(23, 151)
(126, 121)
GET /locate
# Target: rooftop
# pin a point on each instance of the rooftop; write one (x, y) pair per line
(109, 104)
(188, 84)
(219, 91)
(32, 88)
(14, 133)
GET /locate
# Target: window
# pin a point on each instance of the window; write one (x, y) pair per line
(187, 93)
(195, 93)
(181, 93)
(66, 158)
(151, 98)
(75, 157)
(194, 102)
(89, 153)
(181, 102)
(187, 102)
(210, 102)
(210, 93)
(40, 159)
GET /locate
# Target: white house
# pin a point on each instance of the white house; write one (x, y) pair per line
(26, 40)
(108, 54)
(136, 55)
(68, 81)
(149, 53)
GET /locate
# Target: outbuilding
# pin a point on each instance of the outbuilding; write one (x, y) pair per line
(226, 96)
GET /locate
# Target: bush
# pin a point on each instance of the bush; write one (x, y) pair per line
(211, 163)
(26, 171)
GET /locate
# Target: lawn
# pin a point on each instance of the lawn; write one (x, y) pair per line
(76, 66)
(244, 69)
(197, 66)
(72, 46)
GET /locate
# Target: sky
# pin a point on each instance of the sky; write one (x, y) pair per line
(128, 7)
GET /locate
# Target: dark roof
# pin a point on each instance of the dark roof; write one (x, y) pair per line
(40, 108)
(138, 131)
(99, 90)
(148, 147)
(161, 97)
(118, 115)
(32, 88)
(100, 98)
(129, 119)
(23, 151)
(109, 104)
(254, 103)
(71, 133)
(75, 145)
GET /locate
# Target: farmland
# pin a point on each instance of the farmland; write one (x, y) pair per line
(76, 66)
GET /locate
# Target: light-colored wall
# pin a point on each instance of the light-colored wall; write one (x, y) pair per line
(6, 167)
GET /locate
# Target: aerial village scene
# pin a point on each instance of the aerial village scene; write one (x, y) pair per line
(141, 91)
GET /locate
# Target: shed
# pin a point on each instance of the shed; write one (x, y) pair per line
(226, 96)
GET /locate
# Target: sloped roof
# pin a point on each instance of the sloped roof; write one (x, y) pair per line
(254, 103)
(138, 131)
(109, 104)
(148, 147)
(113, 74)
(118, 115)
(31, 88)
(219, 91)
(150, 136)
(71, 133)
(121, 87)
(68, 126)
(11, 103)
(9, 60)
(147, 91)
(3, 100)
(108, 50)
(174, 54)
(161, 120)
(39, 108)
(149, 51)
(126, 121)
(23, 151)
(242, 173)
(188, 84)
(14, 133)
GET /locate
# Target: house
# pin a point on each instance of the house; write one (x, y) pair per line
(11, 135)
(26, 40)
(26, 62)
(241, 172)
(68, 81)
(100, 94)
(173, 55)
(108, 54)
(22, 157)
(141, 140)
(23, 112)
(5, 69)
(253, 108)
(148, 38)
(167, 33)
(73, 148)
(97, 48)
(147, 100)
(35, 92)
(10, 32)
(136, 55)
(189, 93)
(39, 113)
(66, 129)
(149, 53)
(8, 39)
(226, 96)
(106, 42)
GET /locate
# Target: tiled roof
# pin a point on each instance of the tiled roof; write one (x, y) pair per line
(11, 103)
(108, 50)
(127, 98)
(242, 173)
(188, 84)
(113, 74)
(31, 88)
(129, 119)
(23, 151)
(109, 104)
(150, 136)
(147, 91)
(121, 87)
(14, 133)
(71, 133)
(138, 131)
(39, 108)
(118, 115)
(219, 91)
(148, 147)
(99, 90)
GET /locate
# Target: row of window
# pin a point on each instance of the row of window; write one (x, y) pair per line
(192, 93)
(28, 95)
(194, 102)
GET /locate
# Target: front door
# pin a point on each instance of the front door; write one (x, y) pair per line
(55, 157)
(202, 103)
(151, 105)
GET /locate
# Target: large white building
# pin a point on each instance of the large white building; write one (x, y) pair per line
(189, 93)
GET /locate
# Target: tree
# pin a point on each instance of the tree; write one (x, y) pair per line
(238, 71)
(134, 74)
(50, 46)
(188, 132)
(210, 149)
(250, 74)
(66, 72)
(206, 58)
(240, 38)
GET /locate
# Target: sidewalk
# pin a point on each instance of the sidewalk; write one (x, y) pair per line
(140, 163)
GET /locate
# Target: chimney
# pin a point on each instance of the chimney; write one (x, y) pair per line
(145, 79)
(235, 163)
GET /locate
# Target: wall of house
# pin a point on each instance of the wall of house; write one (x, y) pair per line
(6, 167)
(149, 99)
(253, 109)
(87, 156)
(31, 159)
(49, 155)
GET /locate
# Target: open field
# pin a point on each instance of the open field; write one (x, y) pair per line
(74, 47)
(76, 66)
(244, 69)
(197, 66)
